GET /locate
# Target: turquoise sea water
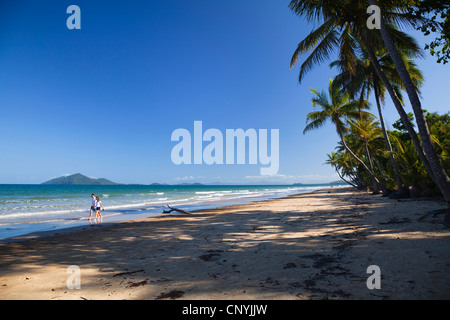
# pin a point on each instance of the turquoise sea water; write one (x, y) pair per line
(31, 208)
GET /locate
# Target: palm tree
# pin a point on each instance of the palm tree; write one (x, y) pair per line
(336, 160)
(348, 167)
(440, 176)
(367, 129)
(365, 81)
(413, 171)
(396, 99)
(338, 110)
(344, 28)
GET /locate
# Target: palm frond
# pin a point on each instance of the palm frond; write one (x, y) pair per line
(318, 123)
(347, 52)
(320, 99)
(321, 53)
(311, 40)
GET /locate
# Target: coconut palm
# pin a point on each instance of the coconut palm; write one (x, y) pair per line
(344, 28)
(367, 130)
(437, 170)
(338, 110)
(366, 81)
(337, 160)
(405, 119)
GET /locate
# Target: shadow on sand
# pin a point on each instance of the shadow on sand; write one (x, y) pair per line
(294, 250)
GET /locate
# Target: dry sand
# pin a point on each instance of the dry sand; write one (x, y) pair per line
(311, 246)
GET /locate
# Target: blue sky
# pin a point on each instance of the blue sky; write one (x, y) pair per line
(104, 100)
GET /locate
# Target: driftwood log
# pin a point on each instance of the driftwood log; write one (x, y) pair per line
(175, 209)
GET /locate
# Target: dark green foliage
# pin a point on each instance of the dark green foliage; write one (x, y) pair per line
(438, 12)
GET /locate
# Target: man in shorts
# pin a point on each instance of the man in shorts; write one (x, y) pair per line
(92, 207)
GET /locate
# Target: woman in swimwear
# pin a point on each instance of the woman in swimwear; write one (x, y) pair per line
(98, 205)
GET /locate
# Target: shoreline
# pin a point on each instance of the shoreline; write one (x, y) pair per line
(313, 245)
(140, 214)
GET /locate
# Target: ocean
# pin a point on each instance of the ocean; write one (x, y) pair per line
(31, 208)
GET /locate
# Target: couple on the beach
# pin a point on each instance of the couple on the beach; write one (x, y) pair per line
(96, 204)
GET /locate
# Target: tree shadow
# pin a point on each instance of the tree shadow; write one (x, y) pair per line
(277, 253)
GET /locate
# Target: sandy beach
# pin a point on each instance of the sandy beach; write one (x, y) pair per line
(310, 246)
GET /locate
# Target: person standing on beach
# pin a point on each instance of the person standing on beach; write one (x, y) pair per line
(98, 205)
(92, 207)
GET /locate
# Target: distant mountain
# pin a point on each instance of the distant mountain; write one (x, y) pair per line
(79, 179)
(191, 184)
(338, 182)
(329, 183)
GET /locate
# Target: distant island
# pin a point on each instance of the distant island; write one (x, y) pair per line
(338, 182)
(329, 183)
(79, 179)
(191, 184)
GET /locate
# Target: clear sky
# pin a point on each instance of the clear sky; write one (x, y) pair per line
(104, 100)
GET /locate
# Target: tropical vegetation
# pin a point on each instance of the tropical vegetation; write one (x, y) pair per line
(412, 159)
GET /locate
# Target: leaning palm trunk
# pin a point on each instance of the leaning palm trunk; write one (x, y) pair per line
(340, 176)
(381, 170)
(359, 160)
(403, 116)
(440, 176)
(369, 159)
(400, 187)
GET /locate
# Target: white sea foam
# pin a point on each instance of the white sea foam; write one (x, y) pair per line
(70, 208)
